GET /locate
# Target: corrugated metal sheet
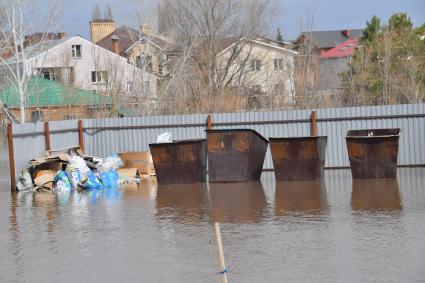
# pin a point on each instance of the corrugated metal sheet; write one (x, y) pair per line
(101, 140)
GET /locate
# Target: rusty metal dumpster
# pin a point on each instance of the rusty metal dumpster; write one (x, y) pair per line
(373, 153)
(235, 155)
(299, 158)
(180, 162)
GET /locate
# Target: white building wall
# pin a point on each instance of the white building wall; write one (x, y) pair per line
(94, 58)
(267, 77)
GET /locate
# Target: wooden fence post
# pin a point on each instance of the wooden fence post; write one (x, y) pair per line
(313, 124)
(209, 122)
(47, 135)
(81, 134)
(11, 157)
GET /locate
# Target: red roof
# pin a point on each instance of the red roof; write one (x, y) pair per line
(345, 49)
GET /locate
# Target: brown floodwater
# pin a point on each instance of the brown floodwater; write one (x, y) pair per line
(334, 230)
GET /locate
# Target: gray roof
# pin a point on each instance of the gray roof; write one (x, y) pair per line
(331, 38)
(38, 48)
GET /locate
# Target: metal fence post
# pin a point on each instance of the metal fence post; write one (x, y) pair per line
(11, 157)
(47, 135)
(81, 134)
(209, 122)
(313, 131)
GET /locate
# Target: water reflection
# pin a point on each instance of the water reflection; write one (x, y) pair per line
(237, 202)
(184, 202)
(375, 194)
(308, 197)
(145, 190)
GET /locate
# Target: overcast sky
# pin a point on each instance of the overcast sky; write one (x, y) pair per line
(295, 14)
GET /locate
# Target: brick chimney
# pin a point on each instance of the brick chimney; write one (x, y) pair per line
(146, 29)
(61, 34)
(116, 48)
(346, 32)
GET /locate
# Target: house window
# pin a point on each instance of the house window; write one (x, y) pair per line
(99, 76)
(130, 87)
(256, 88)
(149, 63)
(278, 64)
(255, 65)
(76, 51)
(51, 74)
(138, 62)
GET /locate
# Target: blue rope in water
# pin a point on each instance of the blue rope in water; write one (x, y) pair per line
(222, 272)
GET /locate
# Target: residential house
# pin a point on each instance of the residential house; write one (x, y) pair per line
(315, 70)
(151, 53)
(77, 62)
(322, 41)
(50, 100)
(334, 62)
(263, 65)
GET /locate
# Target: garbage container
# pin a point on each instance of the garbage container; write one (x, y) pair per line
(180, 162)
(298, 158)
(235, 155)
(373, 153)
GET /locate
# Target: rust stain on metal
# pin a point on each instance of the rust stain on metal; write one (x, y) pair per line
(215, 143)
(185, 153)
(235, 155)
(356, 149)
(180, 162)
(298, 159)
(373, 153)
(307, 151)
(241, 143)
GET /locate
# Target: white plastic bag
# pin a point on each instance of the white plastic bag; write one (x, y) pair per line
(110, 163)
(79, 163)
(164, 138)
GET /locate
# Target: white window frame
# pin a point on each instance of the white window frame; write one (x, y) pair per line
(256, 65)
(278, 64)
(100, 77)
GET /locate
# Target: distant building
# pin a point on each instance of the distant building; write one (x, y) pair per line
(100, 28)
(334, 62)
(266, 67)
(322, 41)
(145, 50)
(77, 62)
(322, 56)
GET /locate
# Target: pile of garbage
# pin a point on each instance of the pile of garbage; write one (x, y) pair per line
(69, 169)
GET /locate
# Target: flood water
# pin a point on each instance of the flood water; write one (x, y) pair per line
(330, 231)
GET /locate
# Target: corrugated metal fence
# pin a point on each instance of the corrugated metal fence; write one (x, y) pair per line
(104, 136)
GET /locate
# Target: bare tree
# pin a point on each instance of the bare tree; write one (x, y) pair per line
(108, 13)
(20, 18)
(206, 29)
(95, 13)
